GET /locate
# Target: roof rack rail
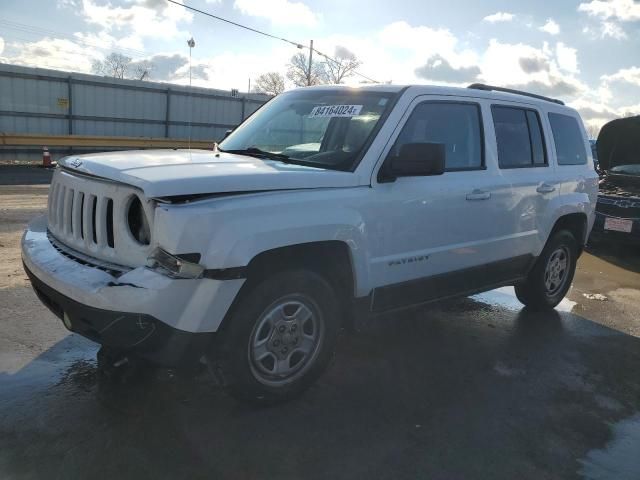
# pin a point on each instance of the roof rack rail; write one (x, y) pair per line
(482, 86)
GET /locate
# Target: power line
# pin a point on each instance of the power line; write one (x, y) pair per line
(297, 45)
(275, 37)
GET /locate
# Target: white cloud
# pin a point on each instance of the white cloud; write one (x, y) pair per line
(551, 27)
(613, 30)
(1, 45)
(610, 13)
(629, 75)
(625, 10)
(567, 58)
(499, 17)
(430, 40)
(400, 49)
(280, 12)
(57, 54)
(142, 18)
(629, 110)
(594, 112)
(536, 69)
(106, 41)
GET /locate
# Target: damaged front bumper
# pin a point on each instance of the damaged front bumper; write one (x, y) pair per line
(166, 320)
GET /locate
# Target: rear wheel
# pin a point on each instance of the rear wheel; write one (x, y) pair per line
(279, 338)
(551, 277)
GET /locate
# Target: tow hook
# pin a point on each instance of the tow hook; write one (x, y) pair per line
(116, 366)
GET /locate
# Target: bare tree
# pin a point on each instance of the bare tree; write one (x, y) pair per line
(140, 70)
(298, 71)
(120, 66)
(271, 83)
(343, 65)
(114, 65)
(592, 131)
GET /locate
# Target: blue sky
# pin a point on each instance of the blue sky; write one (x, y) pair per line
(586, 52)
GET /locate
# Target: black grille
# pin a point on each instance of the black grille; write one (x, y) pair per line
(620, 207)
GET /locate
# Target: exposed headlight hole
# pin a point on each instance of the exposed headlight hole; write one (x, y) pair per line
(138, 222)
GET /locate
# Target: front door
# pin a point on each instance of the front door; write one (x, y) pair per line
(438, 231)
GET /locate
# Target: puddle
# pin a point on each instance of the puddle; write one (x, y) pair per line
(506, 297)
(60, 361)
(620, 459)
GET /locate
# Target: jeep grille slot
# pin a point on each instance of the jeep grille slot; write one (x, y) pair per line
(94, 207)
(110, 222)
(92, 217)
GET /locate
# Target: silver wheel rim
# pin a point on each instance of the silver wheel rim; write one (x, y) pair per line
(285, 340)
(556, 271)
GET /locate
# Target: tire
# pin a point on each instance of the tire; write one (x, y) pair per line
(550, 278)
(279, 337)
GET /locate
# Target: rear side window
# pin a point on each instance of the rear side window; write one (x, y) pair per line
(519, 137)
(456, 125)
(568, 140)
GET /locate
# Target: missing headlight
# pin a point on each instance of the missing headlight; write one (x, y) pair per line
(138, 222)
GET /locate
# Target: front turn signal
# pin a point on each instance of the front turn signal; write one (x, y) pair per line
(175, 265)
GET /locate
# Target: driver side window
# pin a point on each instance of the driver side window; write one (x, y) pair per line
(456, 125)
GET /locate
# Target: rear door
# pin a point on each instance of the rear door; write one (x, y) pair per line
(579, 181)
(529, 177)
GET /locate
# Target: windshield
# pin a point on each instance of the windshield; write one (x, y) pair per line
(327, 129)
(632, 169)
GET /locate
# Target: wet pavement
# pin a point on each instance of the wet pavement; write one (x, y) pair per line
(474, 388)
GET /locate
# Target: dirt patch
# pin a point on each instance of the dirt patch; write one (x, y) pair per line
(18, 205)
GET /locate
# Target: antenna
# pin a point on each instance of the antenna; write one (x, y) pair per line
(192, 43)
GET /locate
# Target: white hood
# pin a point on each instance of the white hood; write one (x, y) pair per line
(164, 173)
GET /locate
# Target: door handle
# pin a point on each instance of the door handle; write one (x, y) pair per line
(545, 188)
(479, 195)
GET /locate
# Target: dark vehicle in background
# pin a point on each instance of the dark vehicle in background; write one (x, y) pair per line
(618, 207)
(594, 152)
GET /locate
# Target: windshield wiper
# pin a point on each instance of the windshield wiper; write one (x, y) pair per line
(256, 152)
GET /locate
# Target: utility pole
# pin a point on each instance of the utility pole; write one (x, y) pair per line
(191, 42)
(310, 62)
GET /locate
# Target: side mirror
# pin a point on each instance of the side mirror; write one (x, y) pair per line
(417, 159)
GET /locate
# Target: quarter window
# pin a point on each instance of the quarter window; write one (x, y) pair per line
(519, 137)
(568, 139)
(456, 125)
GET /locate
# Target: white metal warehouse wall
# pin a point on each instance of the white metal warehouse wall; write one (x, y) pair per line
(35, 100)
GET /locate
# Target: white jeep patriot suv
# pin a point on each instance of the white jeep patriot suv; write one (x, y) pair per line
(328, 203)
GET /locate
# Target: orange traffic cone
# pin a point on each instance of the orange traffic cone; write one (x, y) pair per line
(46, 158)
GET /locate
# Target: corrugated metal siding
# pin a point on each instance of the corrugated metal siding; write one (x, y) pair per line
(34, 100)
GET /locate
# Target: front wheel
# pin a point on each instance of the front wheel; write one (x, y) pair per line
(551, 277)
(279, 338)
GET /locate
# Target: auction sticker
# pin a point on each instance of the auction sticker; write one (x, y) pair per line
(335, 111)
